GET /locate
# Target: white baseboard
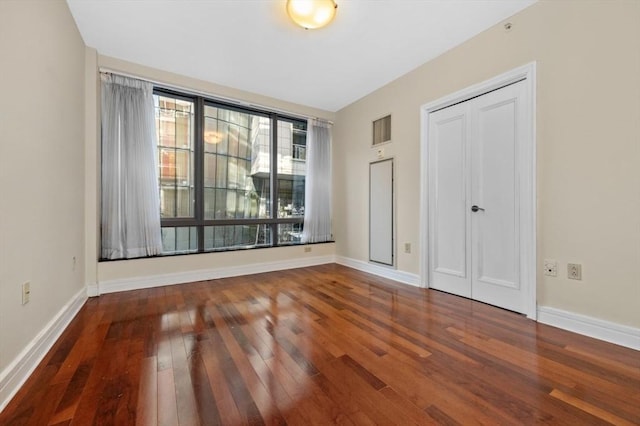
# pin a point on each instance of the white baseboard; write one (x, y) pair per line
(92, 290)
(19, 370)
(137, 283)
(604, 330)
(381, 271)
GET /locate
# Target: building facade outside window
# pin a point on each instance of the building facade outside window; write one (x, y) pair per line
(217, 165)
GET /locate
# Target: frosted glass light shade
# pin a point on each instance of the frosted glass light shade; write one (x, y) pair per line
(311, 14)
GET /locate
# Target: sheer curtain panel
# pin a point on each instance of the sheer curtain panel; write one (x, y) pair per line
(130, 201)
(317, 209)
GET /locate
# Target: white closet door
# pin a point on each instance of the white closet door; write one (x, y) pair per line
(475, 149)
(497, 131)
(449, 256)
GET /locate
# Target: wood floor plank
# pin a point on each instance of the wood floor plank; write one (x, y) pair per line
(167, 405)
(207, 409)
(349, 407)
(551, 369)
(589, 408)
(147, 412)
(417, 415)
(227, 408)
(69, 403)
(181, 366)
(412, 384)
(48, 400)
(320, 345)
(234, 382)
(360, 394)
(75, 357)
(313, 404)
(255, 390)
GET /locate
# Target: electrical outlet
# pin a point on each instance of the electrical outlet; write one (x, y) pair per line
(407, 247)
(26, 292)
(574, 271)
(551, 267)
(307, 249)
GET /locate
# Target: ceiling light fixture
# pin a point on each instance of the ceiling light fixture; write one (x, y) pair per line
(311, 14)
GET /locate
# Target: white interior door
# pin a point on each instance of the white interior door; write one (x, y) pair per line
(449, 256)
(475, 156)
(381, 212)
(497, 131)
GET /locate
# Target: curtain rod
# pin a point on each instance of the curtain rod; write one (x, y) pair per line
(164, 84)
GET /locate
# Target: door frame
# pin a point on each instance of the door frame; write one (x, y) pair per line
(526, 73)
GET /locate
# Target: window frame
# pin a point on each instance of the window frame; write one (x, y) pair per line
(198, 220)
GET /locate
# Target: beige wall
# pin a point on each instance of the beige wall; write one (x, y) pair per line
(588, 142)
(101, 272)
(41, 167)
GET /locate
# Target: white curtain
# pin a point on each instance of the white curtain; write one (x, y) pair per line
(130, 200)
(317, 208)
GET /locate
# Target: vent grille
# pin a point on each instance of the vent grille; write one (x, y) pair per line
(382, 130)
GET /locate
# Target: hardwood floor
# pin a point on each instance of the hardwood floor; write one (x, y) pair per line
(320, 345)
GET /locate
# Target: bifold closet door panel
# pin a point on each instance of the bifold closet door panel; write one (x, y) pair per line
(499, 136)
(449, 221)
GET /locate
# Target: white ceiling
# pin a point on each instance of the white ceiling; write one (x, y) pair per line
(251, 44)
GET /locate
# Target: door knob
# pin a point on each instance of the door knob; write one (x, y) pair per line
(476, 208)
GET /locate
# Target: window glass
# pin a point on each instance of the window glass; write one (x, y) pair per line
(233, 185)
(299, 141)
(174, 131)
(236, 236)
(177, 240)
(292, 168)
(289, 233)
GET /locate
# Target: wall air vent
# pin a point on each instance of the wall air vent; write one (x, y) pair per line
(382, 130)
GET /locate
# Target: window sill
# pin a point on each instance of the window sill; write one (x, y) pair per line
(232, 249)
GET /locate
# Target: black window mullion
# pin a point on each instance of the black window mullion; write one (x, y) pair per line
(199, 171)
(214, 222)
(273, 144)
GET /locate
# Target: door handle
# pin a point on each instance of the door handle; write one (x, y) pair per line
(476, 208)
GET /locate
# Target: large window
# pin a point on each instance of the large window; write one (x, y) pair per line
(229, 177)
